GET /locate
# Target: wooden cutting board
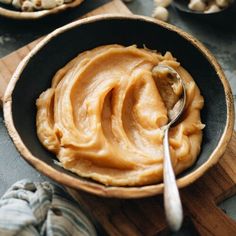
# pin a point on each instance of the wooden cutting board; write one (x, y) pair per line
(146, 216)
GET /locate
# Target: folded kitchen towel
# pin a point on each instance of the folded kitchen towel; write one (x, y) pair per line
(30, 208)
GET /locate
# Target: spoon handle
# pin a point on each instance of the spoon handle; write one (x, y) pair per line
(172, 202)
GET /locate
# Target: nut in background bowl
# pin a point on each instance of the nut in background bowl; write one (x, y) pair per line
(222, 18)
(35, 72)
(10, 12)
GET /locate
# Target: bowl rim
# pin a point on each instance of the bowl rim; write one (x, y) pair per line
(97, 188)
(19, 15)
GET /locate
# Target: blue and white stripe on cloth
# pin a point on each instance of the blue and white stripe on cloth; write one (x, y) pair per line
(30, 208)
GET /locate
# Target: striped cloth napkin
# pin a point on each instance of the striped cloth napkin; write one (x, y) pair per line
(30, 208)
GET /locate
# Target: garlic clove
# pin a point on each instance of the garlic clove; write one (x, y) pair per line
(37, 4)
(162, 3)
(17, 4)
(27, 6)
(59, 2)
(48, 4)
(222, 3)
(161, 13)
(197, 5)
(213, 8)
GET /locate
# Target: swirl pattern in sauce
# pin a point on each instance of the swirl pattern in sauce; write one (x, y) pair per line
(104, 113)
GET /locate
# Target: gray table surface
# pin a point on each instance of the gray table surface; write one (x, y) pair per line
(13, 34)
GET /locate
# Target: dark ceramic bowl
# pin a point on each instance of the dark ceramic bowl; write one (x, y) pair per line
(35, 72)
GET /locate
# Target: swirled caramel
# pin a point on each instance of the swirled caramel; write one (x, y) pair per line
(104, 114)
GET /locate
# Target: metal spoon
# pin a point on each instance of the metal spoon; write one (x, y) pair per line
(172, 202)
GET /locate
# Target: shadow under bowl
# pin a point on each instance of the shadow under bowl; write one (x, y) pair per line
(35, 72)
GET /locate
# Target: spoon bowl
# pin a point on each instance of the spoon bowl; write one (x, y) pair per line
(172, 201)
(175, 112)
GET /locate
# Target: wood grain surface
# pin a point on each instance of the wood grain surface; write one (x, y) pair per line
(145, 216)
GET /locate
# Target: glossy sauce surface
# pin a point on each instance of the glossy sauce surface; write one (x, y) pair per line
(104, 114)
